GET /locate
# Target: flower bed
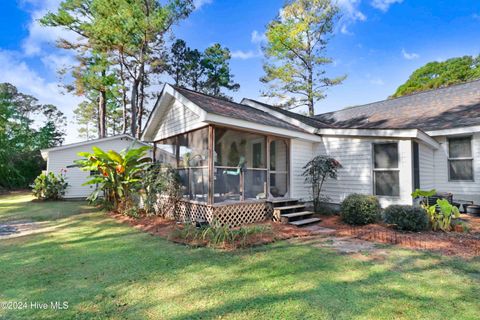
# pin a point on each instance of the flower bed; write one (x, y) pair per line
(451, 243)
(169, 229)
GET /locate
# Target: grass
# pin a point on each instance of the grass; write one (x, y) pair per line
(109, 270)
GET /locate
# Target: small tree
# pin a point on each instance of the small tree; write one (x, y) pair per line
(118, 174)
(316, 172)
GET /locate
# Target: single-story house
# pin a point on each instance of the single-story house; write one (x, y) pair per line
(236, 158)
(63, 157)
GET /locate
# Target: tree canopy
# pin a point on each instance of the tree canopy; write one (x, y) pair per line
(437, 74)
(296, 53)
(26, 126)
(208, 72)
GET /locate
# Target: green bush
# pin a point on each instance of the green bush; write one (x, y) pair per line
(360, 209)
(408, 218)
(49, 186)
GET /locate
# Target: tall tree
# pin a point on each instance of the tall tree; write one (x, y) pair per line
(26, 126)
(132, 31)
(296, 53)
(216, 62)
(177, 62)
(136, 30)
(436, 74)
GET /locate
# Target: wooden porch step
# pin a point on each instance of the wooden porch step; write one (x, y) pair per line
(296, 214)
(304, 222)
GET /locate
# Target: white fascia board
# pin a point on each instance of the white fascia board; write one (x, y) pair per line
(83, 143)
(447, 132)
(279, 115)
(394, 133)
(243, 124)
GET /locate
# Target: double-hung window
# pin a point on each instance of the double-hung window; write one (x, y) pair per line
(460, 159)
(386, 172)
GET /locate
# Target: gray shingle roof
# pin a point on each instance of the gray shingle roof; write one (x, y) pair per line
(235, 110)
(445, 108)
(310, 121)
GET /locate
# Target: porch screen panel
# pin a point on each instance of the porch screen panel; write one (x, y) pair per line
(188, 153)
(239, 165)
(278, 168)
(386, 172)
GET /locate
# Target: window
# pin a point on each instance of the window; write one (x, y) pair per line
(460, 159)
(385, 169)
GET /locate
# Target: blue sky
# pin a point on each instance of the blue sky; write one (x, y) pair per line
(378, 43)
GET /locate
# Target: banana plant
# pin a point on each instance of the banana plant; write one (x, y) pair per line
(117, 175)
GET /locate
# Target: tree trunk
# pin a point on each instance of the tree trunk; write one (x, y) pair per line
(102, 113)
(133, 104)
(311, 106)
(141, 108)
(124, 98)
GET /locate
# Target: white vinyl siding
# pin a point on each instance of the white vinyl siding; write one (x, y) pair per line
(62, 159)
(355, 176)
(177, 119)
(427, 167)
(300, 153)
(463, 190)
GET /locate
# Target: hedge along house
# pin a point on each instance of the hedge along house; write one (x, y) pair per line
(237, 160)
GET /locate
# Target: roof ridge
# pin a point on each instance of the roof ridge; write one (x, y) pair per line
(285, 110)
(402, 97)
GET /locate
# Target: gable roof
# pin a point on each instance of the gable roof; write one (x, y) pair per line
(45, 152)
(227, 108)
(309, 121)
(444, 108)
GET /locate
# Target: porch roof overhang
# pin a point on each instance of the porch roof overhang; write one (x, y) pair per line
(170, 94)
(381, 133)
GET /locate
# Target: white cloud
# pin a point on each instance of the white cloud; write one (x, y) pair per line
(39, 36)
(410, 55)
(18, 72)
(377, 81)
(351, 10)
(243, 55)
(56, 62)
(350, 14)
(384, 5)
(200, 3)
(476, 16)
(258, 37)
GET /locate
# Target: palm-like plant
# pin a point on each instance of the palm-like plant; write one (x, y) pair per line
(117, 175)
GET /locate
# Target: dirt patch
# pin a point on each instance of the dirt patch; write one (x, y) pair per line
(449, 243)
(167, 229)
(15, 229)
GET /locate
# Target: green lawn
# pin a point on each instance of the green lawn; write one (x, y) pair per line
(109, 270)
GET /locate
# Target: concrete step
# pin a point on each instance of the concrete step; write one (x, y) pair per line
(304, 222)
(296, 214)
(295, 206)
(280, 200)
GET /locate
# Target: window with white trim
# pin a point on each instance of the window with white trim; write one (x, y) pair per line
(460, 159)
(386, 171)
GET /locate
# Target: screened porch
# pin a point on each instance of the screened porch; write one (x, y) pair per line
(219, 165)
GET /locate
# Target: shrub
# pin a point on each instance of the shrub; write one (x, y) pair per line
(217, 236)
(49, 186)
(441, 213)
(408, 218)
(359, 209)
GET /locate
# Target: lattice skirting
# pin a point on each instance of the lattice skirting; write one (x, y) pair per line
(231, 215)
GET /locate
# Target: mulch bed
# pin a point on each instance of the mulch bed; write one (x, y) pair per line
(164, 228)
(448, 243)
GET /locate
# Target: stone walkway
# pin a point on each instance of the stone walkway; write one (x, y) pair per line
(14, 229)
